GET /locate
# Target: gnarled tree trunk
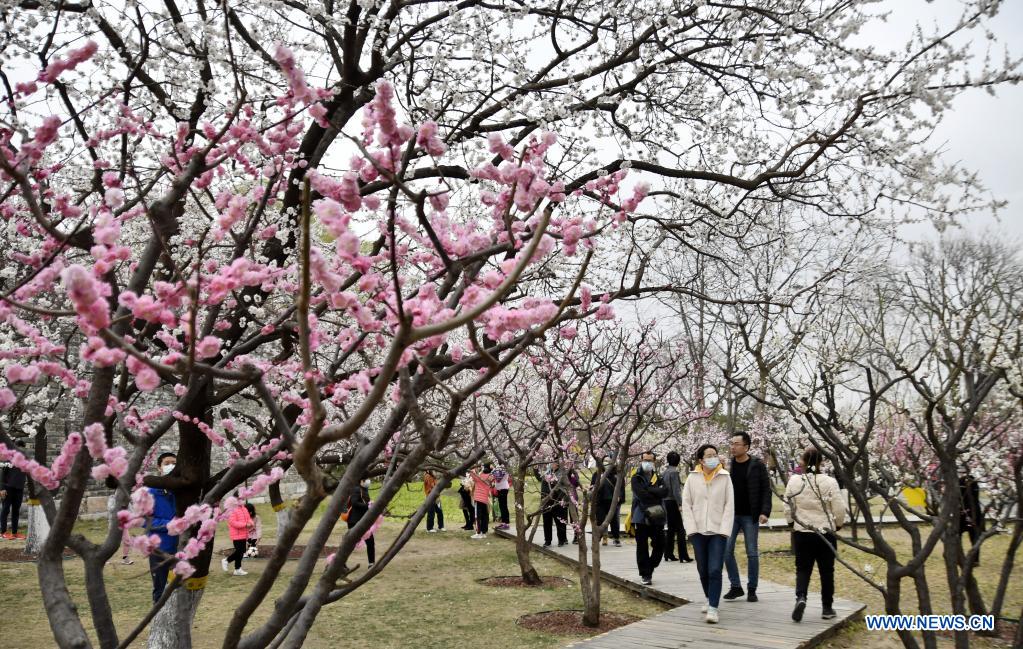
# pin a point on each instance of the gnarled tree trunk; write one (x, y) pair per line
(172, 626)
(529, 574)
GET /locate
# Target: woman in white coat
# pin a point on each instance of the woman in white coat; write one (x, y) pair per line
(708, 507)
(815, 507)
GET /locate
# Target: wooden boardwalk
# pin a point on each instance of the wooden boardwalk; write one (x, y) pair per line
(765, 624)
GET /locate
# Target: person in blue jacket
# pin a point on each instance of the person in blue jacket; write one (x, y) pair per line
(164, 509)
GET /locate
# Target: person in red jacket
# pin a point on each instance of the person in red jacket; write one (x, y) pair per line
(239, 524)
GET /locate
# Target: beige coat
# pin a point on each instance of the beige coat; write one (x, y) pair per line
(708, 508)
(814, 502)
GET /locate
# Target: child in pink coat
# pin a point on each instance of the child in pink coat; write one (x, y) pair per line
(239, 523)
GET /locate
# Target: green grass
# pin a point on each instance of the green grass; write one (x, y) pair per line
(427, 597)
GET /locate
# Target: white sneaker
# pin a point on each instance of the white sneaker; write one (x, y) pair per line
(223, 564)
(712, 616)
(431, 531)
(239, 573)
(477, 536)
(706, 605)
(441, 529)
(369, 566)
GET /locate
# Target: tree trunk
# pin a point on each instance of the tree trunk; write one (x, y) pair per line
(38, 528)
(589, 577)
(172, 626)
(280, 508)
(923, 595)
(530, 576)
(892, 595)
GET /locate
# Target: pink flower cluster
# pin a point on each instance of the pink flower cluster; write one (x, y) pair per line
(70, 62)
(429, 139)
(114, 460)
(285, 58)
(47, 477)
(88, 297)
(260, 484)
(140, 506)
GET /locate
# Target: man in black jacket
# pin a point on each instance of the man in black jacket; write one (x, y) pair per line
(12, 491)
(752, 487)
(648, 491)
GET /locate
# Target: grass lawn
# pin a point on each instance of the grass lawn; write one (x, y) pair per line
(427, 597)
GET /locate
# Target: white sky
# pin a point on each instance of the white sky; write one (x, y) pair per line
(983, 132)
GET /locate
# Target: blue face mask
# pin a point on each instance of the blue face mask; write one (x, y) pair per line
(711, 463)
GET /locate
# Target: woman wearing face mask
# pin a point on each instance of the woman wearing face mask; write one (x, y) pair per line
(708, 506)
(358, 504)
(815, 507)
(648, 516)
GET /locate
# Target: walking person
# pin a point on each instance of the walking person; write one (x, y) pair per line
(358, 505)
(503, 486)
(483, 486)
(468, 507)
(971, 517)
(553, 505)
(648, 492)
(239, 525)
(604, 495)
(751, 485)
(12, 492)
(673, 512)
(815, 507)
(164, 509)
(435, 511)
(708, 508)
(570, 477)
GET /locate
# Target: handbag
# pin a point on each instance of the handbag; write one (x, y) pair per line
(655, 512)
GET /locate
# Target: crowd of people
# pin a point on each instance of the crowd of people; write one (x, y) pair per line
(714, 505)
(708, 508)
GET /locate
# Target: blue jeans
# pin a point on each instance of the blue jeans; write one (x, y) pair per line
(709, 550)
(750, 526)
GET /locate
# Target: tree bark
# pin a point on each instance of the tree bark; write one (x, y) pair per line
(172, 626)
(589, 576)
(530, 576)
(38, 528)
(280, 508)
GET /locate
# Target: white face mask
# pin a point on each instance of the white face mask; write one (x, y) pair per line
(366, 483)
(648, 467)
(167, 468)
(711, 463)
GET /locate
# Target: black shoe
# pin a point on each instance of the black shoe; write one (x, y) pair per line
(562, 544)
(547, 544)
(686, 560)
(751, 596)
(797, 613)
(670, 559)
(828, 613)
(647, 581)
(735, 592)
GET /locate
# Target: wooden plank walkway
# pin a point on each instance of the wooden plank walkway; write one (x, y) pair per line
(766, 624)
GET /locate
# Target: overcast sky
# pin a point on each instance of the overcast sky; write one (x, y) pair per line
(983, 132)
